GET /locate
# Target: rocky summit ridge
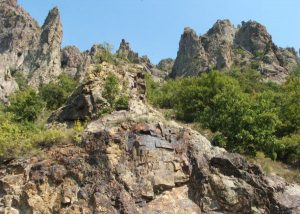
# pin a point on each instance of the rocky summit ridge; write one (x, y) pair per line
(225, 46)
(131, 160)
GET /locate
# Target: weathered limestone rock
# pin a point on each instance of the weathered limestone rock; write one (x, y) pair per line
(17, 32)
(224, 46)
(25, 47)
(191, 58)
(166, 66)
(46, 62)
(87, 101)
(7, 84)
(135, 161)
(125, 52)
(71, 61)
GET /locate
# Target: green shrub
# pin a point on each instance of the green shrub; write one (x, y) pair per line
(151, 89)
(22, 139)
(55, 94)
(289, 150)
(290, 106)
(21, 80)
(248, 114)
(122, 103)
(26, 105)
(111, 89)
(47, 138)
(14, 137)
(105, 54)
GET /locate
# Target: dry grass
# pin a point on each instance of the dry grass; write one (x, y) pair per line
(274, 167)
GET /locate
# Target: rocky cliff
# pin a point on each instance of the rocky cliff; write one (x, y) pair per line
(27, 48)
(225, 46)
(135, 161)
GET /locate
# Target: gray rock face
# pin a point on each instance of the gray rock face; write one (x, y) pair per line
(166, 65)
(71, 60)
(126, 166)
(87, 101)
(135, 161)
(224, 46)
(26, 47)
(7, 83)
(192, 57)
(18, 32)
(125, 52)
(45, 62)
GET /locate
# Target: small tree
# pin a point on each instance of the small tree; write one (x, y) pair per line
(105, 54)
(55, 94)
(111, 89)
(26, 105)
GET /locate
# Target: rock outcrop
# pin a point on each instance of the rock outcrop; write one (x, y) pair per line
(72, 61)
(25, 47)
(131, 161)
(45, 63)
(135, 161)
(7, 84)
(125, 52)
(17, 31)
(224, 46)
(166, 65)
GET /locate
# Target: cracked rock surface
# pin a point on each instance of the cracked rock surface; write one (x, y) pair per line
(135, 161)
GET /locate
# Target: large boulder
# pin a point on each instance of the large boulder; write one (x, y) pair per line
(166, 66)
(72, 60)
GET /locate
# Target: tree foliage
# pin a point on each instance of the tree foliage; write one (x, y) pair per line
(113, 94)
(247, 114)
(55, 94)
(26, 105)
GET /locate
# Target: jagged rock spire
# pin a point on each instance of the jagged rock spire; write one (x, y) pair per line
(48, 57)
(190, 46)
(224, 46)
(125, 52)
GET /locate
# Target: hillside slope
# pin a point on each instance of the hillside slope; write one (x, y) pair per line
(130, 158)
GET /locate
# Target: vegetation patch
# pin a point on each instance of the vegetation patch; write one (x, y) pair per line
(246, 114)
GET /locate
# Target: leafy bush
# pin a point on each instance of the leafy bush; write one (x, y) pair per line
(111, 88)
(21, 80)
(20, 139)
(105, 54)
(122, 103)
(55, 94)
(115, 97)
(290, 105)
(290, 149)
(14, 137)
(247, 114)
(26, 105)
(47, 138)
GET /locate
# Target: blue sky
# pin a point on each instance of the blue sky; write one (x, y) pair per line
(153, 27)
